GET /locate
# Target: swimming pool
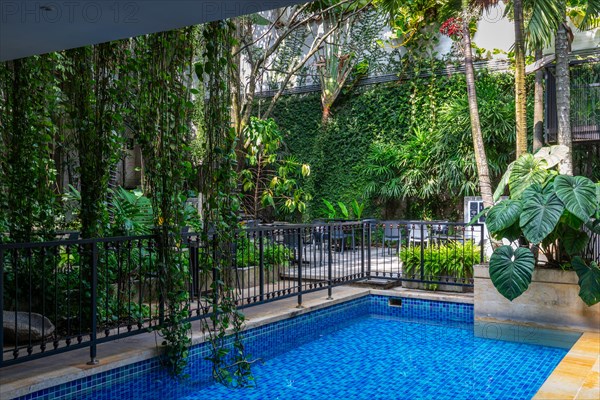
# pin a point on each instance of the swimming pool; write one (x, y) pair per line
(362, 349)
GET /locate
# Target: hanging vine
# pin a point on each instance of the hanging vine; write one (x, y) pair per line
(221, 207)
(28, 99)
(92, 86)
(163, 108)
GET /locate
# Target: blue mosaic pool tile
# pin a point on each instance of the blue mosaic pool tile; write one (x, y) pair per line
(343, 335)
(422, 309)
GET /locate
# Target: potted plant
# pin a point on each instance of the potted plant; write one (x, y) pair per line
(547, 216)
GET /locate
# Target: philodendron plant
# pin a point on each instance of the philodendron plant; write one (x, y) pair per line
(546, 212)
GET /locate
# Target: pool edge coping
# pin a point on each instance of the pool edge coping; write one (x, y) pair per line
(577, 376)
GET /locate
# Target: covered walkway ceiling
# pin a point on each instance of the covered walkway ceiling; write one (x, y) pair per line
(29, 27)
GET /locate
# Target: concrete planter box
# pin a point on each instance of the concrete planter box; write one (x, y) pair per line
(552, 300)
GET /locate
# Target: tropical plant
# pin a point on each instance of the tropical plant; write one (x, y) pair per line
(132, 213)
(248, 254)
(270, 179)
(547, 212)
(329, 211)
(289, 40)
(544, 20)
(336, 59)
(357, 209)
(343, 210)
(453, 259)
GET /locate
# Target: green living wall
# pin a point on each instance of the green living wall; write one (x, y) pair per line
(435, 106)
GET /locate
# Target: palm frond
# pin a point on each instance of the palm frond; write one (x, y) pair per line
(545, 16)
(591, 20)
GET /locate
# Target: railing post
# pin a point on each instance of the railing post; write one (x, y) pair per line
(482, 244)
(369, 238)
(362, 251)
(193, 251)
(94, 294)
(422, 251)
(1, 306)
(261, 267)
(299, 238)
(329, 264)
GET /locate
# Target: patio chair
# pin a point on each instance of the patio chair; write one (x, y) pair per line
(416, 235)
(392, 232)
(290, 240)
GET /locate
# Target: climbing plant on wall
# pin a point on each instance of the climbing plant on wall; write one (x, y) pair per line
(391, 113)
(92, 86)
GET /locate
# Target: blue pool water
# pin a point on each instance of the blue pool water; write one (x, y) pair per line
(370, 351)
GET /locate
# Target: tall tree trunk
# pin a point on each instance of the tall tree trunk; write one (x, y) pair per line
(538, 106)
(520, 94)
(483, 173)
(563, 93)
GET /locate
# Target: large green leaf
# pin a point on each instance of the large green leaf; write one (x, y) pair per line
(574, 241)
(578, 194)
(503, 182)
(552, 155)
(511, 233)
(526, 171)
(540, 214)
(511, 270)
(589, 280)
(503, 215)
(571, 220)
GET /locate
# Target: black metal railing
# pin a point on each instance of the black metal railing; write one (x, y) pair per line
(70, 294)
(585, 102)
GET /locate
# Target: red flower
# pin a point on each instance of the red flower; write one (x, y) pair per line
(453, 28)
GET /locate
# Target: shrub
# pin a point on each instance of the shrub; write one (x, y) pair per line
(453, 259)
(248, 254)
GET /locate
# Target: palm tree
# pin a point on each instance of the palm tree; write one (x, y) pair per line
(483, 173)
(538, 105)
(563, 89)
(541, 21)
(520, 92)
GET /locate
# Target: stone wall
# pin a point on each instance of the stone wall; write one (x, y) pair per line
(551, 300)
